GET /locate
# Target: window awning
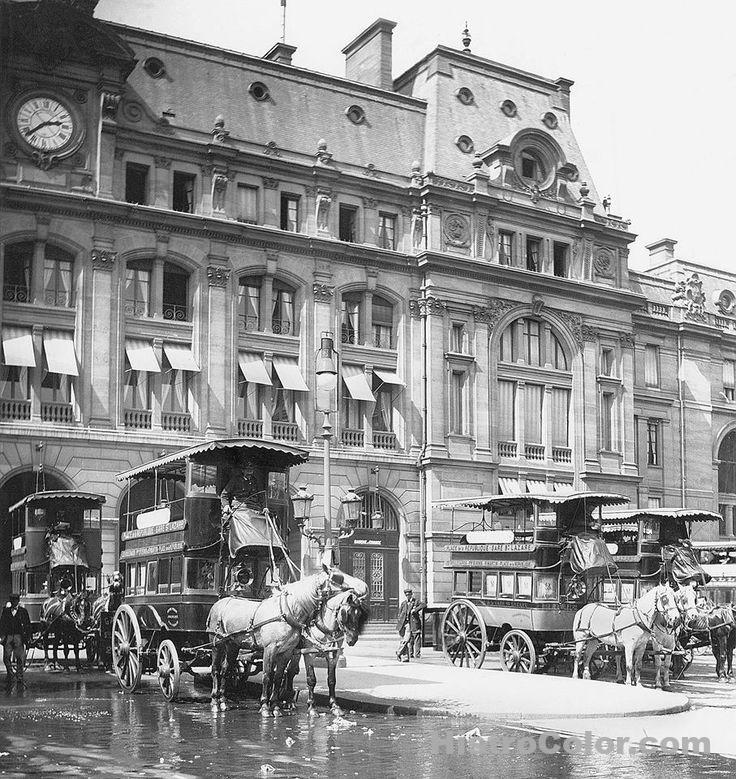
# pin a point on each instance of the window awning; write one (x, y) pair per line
(509, 486)
(253, 368)
(356, 382)
(141, 356)
(180, 357)
(563, 487)
(388, 377)
(289, 374)
(535, 486)
(58, 346)
(18, 347)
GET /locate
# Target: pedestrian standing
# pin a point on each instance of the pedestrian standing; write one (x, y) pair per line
(15, 632)
(409, 625)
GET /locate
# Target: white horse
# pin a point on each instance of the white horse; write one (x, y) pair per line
(629, 627)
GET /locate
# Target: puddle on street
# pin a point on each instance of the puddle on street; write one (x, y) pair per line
(95, 730)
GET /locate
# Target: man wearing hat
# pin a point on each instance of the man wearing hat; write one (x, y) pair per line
(409, 625)
(15, 633)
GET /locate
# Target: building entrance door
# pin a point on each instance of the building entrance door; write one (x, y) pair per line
(372, 554)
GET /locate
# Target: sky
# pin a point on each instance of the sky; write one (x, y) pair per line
(653, 105)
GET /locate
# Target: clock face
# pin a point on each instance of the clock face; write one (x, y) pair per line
(45, 123)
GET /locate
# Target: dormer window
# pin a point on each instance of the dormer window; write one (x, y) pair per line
(532, 167)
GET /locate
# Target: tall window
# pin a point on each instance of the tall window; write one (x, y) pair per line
(352, 417)
(17, 272)
(457, 338)
(507, 411)
(290, 212)
(382, 322)
(727, 464)
(653, 442)
(350, 321)
(56, 388)
(530, 336)
(651, 365)
(15, 382)
(57, 277)
(250, 400)
(136, 183)
(386, 230)
(533, 395)
(282, 310)
(505, 248)
(729, 379)
(348, 223)
(560, 259)
(174, 390)
(247, 204)
(507, 345)
(458, 403)
(607, 361)
(138, 287)
(383, 408)
(560, 416)
(282, 400)
(558, 355)
(183, 194)
(136, 388)
(533, 254)
(175, 293)
(607, 426)
(249, 303)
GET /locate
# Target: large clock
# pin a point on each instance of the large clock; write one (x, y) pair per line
(46, 123)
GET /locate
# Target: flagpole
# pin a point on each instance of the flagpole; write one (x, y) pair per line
(283, 22)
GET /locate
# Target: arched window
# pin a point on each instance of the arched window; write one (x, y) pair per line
(351, 312)
(17, 272)
(58, 267)
(282, 309)
(176, 293)
(378, 313)
(382, 322)
(249, 303)
(727, 464)
(532, 342)
(148, 281)
(54, 279)
(372, 504)
(558, 358)
(138, 275)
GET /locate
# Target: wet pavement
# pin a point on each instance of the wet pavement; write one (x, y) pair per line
(82, 725)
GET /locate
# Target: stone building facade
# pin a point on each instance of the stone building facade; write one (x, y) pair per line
(180, 224)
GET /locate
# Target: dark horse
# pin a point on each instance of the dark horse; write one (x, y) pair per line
(66, 618)
(273, 626)
(341, 618)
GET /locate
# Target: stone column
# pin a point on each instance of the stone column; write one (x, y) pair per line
(156, 380)
(157, 289)
(109, 103)
(483, 379)
(366, 319)
(216, 361)
(265, 310)
(161, 195)
(37, 373)
(628, 433)
(37, 271)
(100, 361)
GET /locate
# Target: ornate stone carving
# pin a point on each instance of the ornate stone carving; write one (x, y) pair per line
(491, 313)
(219, 133)
(269, 183)
(217, 276)
(417, 228)
(726, 301)
(369, 202)
(271, 149)
(80, 95)
(370, 170)
(110, 103)
(162, 162)
(589, 334)
(103, 259)
(603, 264)
(132, 111)
(426, 307)
(456, 230)
(574, 323)
(323, 293)
(688, 294)
(445, 183)
(219, 190)
(44, 160)
(10, 149)
(323, 156)
(537, 305)
(324, 201)
(626, 340)
(416, 174)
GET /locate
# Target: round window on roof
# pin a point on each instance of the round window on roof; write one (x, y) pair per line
(465, 96)
(508, 107)
(465, 144)
(154, 67)
(259, 91)
(356, 114)
(532, 167)
(550, 120)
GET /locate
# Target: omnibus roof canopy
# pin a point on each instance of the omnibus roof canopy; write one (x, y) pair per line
(634, 515)
(213, 452)
(39, 498)
(490, 501)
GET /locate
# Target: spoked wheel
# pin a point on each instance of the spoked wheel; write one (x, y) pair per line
(126, 648)
(518, 654)
(169, 669)
(464, 635)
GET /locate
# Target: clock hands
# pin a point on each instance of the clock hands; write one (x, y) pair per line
(31, 130)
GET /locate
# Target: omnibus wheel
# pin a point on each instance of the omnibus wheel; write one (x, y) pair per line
(169, 669)
(126, 648)
(464, 637)
(518, 654)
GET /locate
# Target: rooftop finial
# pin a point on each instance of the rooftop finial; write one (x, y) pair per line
(466, 39)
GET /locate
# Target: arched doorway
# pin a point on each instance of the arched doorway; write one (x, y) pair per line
(372, 554)
(14, 489)
(727, 484)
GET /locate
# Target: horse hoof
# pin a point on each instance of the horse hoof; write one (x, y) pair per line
(337, 711)
(586, 675)
(277, 711)
(666, 687)
(223, 706)
(265, 712)
(47, 668)
(722, 680)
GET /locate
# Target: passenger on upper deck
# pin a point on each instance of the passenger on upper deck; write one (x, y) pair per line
(241, 490)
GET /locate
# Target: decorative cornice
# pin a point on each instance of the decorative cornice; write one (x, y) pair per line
(491, 313)
(217, 276)
(421, 307)
(445, 183)
(103, 259)
(323, 293)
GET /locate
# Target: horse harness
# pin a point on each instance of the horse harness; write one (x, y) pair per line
(638, 622)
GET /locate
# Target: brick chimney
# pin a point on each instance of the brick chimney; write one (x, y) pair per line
(368, 57)
(280, 52)
(661, 251)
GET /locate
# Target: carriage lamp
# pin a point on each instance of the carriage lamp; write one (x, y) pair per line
(351, 505)
(324, 366)
(377, 520)
(302, 505)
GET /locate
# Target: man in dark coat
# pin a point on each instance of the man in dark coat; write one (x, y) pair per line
(409, 625)
(15, 632)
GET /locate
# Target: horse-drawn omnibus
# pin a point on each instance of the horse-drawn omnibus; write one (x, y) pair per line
(718, 559)
(516, 586)
(56, 538)
(178, 555)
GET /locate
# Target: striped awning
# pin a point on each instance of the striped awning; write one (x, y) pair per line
(180, 357)
(536, 486)
(58, 347)
(18, 346)
(508, 486)
(253, 368)
(388, 377)
(289, 374)
(141, 356)
(357, 383)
